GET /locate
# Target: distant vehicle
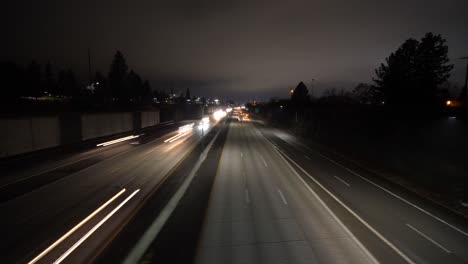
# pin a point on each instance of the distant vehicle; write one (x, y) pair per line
(236, 117)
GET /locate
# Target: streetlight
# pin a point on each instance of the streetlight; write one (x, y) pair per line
(292, 93)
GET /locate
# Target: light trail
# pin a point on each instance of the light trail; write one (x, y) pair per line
(90, 232)
(183, 130)
(107, 143)
(66, 235)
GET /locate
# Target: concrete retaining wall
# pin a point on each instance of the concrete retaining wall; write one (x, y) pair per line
(103, 124)
(149, 118)
(27, 134)
(20, 135)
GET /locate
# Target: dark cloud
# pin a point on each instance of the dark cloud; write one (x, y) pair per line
(242, 48)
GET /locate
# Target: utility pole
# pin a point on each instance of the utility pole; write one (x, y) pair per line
(464, 92)
(89, 67)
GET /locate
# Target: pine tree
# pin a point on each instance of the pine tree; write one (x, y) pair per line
(300, 95)
(118, 77)
(49, 83)
(413, 73)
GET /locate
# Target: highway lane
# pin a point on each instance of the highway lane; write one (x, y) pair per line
(26, 173)
(166, 228)
(32, 222)
(423, 232)
(260, 211)
(274, 200)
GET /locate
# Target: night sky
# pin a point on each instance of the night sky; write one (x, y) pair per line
(230, 48)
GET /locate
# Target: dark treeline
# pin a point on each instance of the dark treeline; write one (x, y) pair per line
(408, 118)
(36, 86)
(413, 79)
(414, 76)
(414, 73)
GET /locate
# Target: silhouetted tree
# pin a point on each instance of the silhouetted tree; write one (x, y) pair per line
(102, 92)
(11, 77)
(452, 89)
(61, 82)
(187, 93)
(33, 80)
(68, 84)
(413, 73)
(330, 92)
(118, 77)
(300, 96)
(135, 85)
(337, 96)
(147, 94)
(434, 68)
(364, 93)
(49, 83)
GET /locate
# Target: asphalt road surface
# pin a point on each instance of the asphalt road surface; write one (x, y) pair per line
(261, 196)
(261, 212)
(275, 200)
(413, 229)
(72, 216)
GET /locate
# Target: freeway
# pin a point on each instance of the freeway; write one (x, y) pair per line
(25, 174)
(276, 200)
(69, 217)
(261, 212)
(417, 230)
(244, 193)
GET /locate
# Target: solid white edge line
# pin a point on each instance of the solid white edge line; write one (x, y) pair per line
(71, 231)
(428, 238)
(393, 194)
(399, 252)
(152, 232)
(341, 180)
(350, 234)
(282, 196)
(382, 188)
(92, 230)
